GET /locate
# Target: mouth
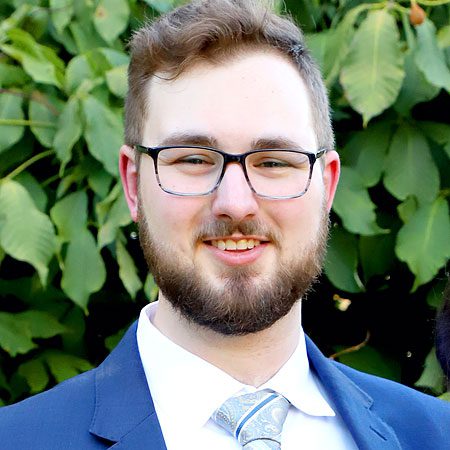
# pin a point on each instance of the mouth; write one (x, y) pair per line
(236, 250)
(235, 244)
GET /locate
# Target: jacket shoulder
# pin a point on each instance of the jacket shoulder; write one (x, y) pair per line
(409, 412)
(44, 421)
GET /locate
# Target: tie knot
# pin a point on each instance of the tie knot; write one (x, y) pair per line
(255, 418)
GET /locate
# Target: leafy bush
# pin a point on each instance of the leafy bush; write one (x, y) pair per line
(71, 274)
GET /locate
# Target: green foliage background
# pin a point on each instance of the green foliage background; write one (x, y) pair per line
(71, 274)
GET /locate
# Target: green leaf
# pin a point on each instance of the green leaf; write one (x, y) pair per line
(26, 233)
(415, 88)
(70, 215)
(64, 366)
(423, 241)
(118, 216)
(85, 36)
(338, 44)
(10, 110)
(373, 70)
(443, 37)
(69, 130)
(435, 296)
(88, 66)
(353, 205)
(407, 209)
(116, 80)
(100, 182)
(14, 336)
(41, 324)
(114, 57)
(373, 361)
(163, 6)
(38, 61)
(432, 377)
(342, 261)
(127, 270)
(2, 255)
(317, 44)
(34, 188)
(366, 150)
(437, 132)
(410, 169)
(18, 330)
(12, 75)
(112, 341)
(103, 133)
(430, 58)
(151, 288)
(84, 270)
(111, 18)
(42, 112)
(35, 374)
(376, 254)
(61, 13)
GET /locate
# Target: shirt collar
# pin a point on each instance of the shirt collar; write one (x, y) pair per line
(187, 389)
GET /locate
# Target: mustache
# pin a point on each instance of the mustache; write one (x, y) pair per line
(228, 227)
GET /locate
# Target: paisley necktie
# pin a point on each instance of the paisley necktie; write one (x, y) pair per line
(255, 420)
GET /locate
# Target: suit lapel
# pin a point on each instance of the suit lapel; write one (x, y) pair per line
(125, 414)
(124, 410)
(354, 405)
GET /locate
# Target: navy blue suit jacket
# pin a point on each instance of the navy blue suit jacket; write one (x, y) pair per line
(111, 407)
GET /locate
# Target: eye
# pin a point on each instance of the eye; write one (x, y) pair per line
(194, 159)
(274, 164)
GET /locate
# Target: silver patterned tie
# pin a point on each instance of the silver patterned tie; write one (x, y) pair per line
(255, 419)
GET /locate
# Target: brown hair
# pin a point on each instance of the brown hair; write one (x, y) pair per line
(214, 30)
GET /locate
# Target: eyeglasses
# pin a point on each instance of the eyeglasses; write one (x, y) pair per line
(190, 170)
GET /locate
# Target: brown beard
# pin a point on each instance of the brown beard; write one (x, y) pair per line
(240, 306)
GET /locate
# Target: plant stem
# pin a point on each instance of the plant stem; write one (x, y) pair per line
(433, 2)
(28, 163)
(22, 122)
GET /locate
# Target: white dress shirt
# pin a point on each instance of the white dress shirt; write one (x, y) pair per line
(186, 390)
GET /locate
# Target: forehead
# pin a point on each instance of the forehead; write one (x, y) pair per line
(254, 96)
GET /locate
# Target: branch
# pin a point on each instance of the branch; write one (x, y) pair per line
(352, 349)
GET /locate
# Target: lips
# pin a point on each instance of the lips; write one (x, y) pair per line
(236, 250)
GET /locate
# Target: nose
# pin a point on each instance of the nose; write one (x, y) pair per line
(234, 199)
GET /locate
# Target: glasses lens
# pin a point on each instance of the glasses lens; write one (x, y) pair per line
(193, 171)
(278, 173)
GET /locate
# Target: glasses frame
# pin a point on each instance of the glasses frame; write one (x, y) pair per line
(229, 158)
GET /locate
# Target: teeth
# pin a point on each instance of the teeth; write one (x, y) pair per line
(242, 244)
(230, 245)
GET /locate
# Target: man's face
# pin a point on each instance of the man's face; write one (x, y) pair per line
(249, 99)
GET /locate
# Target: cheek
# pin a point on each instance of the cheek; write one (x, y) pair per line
(170, 218)
(299, 219)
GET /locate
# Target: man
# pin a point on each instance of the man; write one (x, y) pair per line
(229, 170)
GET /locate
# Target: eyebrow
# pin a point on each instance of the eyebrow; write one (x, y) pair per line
(205, 140)
(202, 140)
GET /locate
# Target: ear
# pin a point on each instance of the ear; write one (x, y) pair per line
(331, 173)
(129, 177)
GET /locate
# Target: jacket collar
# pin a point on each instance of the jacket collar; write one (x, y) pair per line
(125, 414)
(124, 411)
(353, 404)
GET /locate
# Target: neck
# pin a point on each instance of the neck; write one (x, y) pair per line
(251, 359)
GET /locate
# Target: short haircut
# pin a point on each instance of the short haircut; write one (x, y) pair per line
(215, 31)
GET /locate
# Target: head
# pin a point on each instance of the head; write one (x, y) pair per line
(217, 31)
(235, 76)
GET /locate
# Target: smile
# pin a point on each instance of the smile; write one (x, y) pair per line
(232, 245)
